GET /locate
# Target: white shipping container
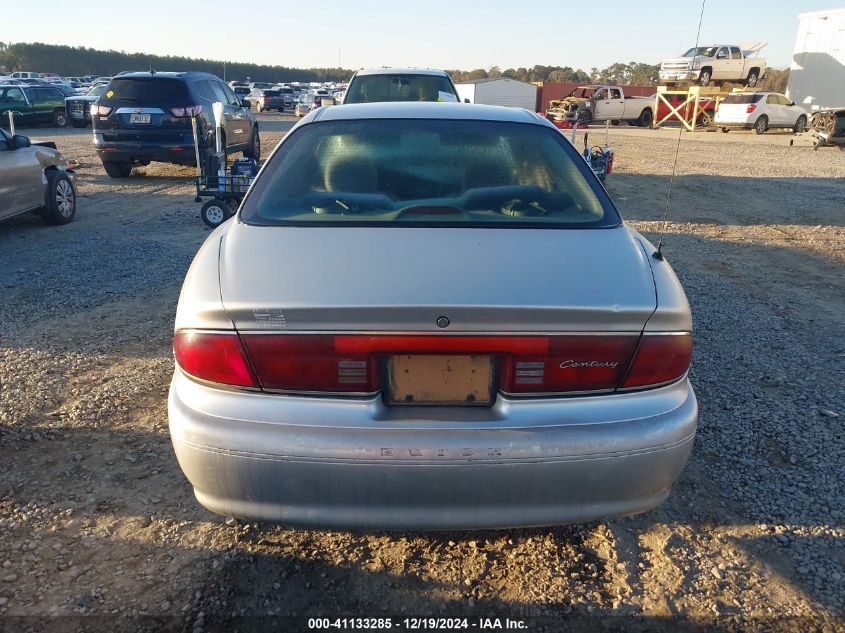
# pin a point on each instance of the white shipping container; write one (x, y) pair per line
(817, 73)
(502, 92)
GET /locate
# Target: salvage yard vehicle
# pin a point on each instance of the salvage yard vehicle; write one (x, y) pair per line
(308, 102)
(144, 117)
(828, 127)
(32, 105)
(261, 99)
(424, 316)
(78, 107)
(717, 63)
(600, 103)
(35, 177)
(760, 111)
(400, 84)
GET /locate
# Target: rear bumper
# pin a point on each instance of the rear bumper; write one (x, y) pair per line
(180, 151)
(740, 125)
(357, 463)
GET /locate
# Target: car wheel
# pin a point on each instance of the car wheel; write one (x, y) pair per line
(215, 212)
(726, 130)
(705, 119)
(646, 118)
(78, 124)
(753, 76)
(584, 117)
(254, 148)
(117, 169)
(60, 200)
(762, 124)
(800, 124)
(704, 77)
(615, 122)
(60, 118)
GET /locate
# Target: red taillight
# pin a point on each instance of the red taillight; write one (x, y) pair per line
(213, 357)
(100, 110)
(310, 363)
(660, 358)
(570, 364)
(186, 111)
(351, 363)
(751, 108)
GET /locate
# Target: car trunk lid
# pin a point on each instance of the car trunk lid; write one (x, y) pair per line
(404, 279)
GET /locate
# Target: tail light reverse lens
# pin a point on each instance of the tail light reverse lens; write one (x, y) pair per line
(310, 364)
(100, 110)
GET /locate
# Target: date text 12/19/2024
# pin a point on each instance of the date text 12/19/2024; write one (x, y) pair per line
(417, 624)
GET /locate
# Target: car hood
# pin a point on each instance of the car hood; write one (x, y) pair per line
(403, 279)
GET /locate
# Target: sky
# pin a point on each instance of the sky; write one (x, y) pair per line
(431, 33)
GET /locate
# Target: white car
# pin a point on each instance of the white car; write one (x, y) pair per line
(760, 111)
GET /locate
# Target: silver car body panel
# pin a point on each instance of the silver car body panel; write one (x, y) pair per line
(482, 280)
(355, 461)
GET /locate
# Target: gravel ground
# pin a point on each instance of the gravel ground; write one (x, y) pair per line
(99, 530)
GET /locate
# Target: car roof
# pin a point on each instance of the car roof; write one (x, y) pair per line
(166, 74)
(428, 110)
(403, 71)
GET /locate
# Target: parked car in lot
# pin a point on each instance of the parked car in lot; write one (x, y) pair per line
(261, 99)
(32, 105)
(760, 111)
(78, 107)
(308, 102)
(35, 177)
(400, 84)
(717, 63)
(430, 316)
(242, 93)
(144, 117)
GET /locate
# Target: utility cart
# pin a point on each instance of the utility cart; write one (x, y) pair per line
(224, 187)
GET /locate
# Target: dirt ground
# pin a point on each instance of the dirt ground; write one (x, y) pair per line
(100, 531)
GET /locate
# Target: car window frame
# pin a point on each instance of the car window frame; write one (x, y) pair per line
(612, 218)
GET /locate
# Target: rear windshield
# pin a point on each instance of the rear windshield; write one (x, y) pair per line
(370, 88)
(425, 172)
(270, 93)
(743, 98)
(147, 90)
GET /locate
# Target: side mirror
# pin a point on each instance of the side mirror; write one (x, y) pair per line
(20, 141)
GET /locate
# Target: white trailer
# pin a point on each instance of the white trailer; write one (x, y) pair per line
(817, 73)
(503, 92)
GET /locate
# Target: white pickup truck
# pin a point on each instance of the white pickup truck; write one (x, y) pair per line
(717, 63)
(601, 103)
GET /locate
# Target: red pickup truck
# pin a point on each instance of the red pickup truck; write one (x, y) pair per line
(706, 109)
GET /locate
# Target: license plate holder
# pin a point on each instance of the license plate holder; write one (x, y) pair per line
(462, 380)
(139, 118)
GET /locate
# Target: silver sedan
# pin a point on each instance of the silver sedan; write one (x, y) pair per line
(427, 316)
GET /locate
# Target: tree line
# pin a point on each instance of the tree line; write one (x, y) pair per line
(71, 61)
(630, 74)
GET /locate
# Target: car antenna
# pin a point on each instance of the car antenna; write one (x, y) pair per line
(658, 254)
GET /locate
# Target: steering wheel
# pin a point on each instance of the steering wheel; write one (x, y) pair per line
(525, 208)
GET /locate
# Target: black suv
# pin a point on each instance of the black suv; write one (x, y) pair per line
(146, 116)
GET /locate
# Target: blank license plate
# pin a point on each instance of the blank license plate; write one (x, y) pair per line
(443, 380)
(139, 118)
